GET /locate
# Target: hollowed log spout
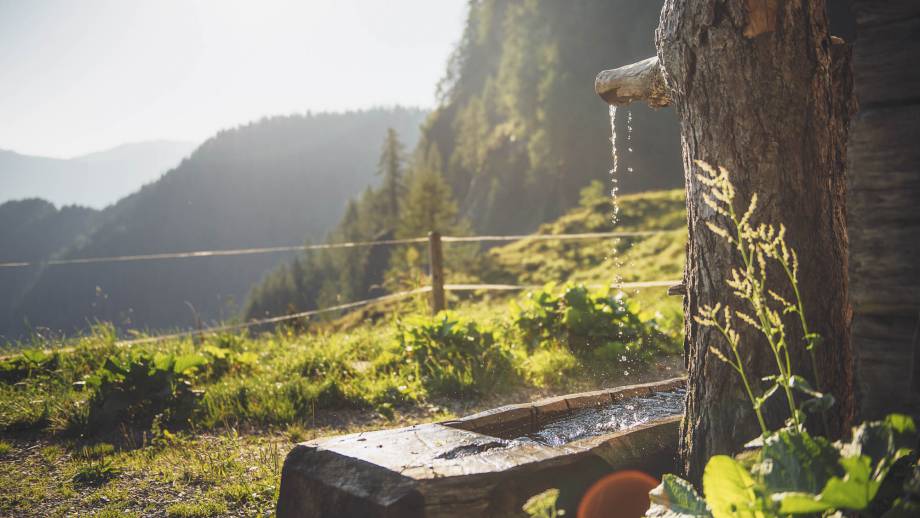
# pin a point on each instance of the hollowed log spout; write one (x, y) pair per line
(642, 81)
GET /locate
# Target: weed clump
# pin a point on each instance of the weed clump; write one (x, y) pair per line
(28, 363)
(449, 356)
(135, 390)
(600, 325)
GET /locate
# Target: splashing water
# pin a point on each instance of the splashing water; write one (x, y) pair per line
(629, 137)
(586, 422)
(618, 416)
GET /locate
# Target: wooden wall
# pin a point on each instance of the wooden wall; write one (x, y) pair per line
(884, 206)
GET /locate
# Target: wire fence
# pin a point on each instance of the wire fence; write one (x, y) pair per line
(327, 246)
(438, 286)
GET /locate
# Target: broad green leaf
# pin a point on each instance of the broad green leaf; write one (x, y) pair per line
(904, 431)
(901, 423)
(849, 494)
(795, 461)
(217, 352)
(853, 492)
(247, 358)
(678, 498)
(187, 362)
(163, 361)
(800, 503)
(35, 356)
(729, 488)
(819, 404)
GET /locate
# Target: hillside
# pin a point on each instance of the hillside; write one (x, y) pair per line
(273, 182)
(519, 131)
(33, 230)
(517, 134)
(219, 446)
(93, 180)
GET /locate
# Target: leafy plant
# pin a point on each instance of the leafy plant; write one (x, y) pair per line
(450, 356)
(135, 390)
(26, 364)
(600, 323)
(543, 505)
(794, 472)
(759, 247)
(225, 360)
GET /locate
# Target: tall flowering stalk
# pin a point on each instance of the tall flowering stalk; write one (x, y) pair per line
(758, 246)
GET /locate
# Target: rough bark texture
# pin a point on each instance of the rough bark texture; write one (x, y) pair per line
(753, 84)
(883, 216)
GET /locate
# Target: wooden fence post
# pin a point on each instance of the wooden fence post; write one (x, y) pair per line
(436, 261)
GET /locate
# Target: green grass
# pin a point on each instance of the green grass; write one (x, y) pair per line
(203, 509)
(257, 395)
(650, 258)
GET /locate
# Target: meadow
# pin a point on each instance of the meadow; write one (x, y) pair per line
(200, 427)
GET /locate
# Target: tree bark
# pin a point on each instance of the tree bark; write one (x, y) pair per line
(756, 91)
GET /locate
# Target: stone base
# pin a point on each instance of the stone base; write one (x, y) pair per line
(463, 468)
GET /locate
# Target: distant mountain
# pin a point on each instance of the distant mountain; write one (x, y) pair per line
(94, 180)
(273, 182)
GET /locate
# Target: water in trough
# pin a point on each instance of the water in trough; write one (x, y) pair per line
(583, 423)
(622, 415)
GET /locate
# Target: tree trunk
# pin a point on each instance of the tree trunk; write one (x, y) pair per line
(756, 92)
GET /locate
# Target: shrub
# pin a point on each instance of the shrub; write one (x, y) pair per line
(224, 360)
(586, 322)
(135, 390)
(448, 356)
(26, 364)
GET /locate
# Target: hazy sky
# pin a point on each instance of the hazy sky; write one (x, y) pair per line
(81, 76)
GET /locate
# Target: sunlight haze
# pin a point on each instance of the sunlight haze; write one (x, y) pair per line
(90, 75)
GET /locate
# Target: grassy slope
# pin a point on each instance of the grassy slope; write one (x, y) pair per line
(318, 383)
(652, 258)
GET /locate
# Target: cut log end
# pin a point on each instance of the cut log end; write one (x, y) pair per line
(642, 81)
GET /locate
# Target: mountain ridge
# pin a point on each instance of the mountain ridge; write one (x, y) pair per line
(95, 179)
(274, 181)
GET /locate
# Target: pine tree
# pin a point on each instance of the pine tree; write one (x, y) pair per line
(390, 167)
(429, 205)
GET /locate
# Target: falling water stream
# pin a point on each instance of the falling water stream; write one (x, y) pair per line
(614, 256)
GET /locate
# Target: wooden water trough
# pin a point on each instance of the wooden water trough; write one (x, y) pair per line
(479, 466)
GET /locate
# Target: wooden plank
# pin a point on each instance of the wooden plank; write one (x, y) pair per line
(883, 180)
(883, 207)
(878, 12)
(886, 368)
(893, 326)
(883, 151)
(886, 63)
(884, 267)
